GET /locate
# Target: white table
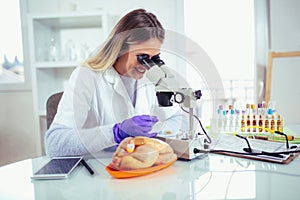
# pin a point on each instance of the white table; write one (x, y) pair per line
(213, 177)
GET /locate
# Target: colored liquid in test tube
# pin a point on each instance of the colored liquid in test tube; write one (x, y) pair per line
(248, 122)
(272, 123)
(278, 124)
(267, 122)
(243, 123)
(260, 123)
(254, 123)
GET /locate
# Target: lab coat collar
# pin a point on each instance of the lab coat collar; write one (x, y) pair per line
(113, 77)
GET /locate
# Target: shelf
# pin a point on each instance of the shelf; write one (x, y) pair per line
(67, 14)
(58, 43)
(70, 20)
(58, 64)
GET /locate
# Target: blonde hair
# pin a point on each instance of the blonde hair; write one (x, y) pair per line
(135, 27)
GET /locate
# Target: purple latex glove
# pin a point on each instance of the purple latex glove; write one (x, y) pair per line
(139, 125)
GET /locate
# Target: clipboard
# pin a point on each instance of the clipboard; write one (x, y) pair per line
(233, 144)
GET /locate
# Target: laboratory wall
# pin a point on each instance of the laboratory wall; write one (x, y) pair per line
(18, 138)
(284, 37)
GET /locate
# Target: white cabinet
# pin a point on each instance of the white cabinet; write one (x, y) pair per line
(57, 44)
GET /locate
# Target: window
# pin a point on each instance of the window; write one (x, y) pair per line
(225, 30)
(12, 65)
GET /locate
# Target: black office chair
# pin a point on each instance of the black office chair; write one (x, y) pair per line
(51, 107)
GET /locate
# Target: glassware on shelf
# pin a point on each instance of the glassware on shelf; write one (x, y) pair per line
(70, 51)
(42, 52)
(84, 51)
(53, 51)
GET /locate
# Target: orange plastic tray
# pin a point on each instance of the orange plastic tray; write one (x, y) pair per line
(137, 172)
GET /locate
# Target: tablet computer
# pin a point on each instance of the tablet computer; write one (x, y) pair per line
(57, 168)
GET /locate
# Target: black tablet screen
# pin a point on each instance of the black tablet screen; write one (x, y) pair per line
(59, 166)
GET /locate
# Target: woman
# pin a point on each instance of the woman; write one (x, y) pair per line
(108, 99)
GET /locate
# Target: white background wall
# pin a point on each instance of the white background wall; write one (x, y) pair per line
(17, 133)
(285, 36)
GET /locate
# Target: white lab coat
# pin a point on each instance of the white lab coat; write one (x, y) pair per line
(93, 103)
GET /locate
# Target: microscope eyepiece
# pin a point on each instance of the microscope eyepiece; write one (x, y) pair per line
(145, 60)
(156, 59)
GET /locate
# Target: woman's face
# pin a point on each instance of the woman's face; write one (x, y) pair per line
(127, 64)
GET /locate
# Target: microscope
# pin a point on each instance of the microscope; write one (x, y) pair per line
(187, 144)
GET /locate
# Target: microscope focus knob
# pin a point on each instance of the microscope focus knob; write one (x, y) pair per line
(178, 97)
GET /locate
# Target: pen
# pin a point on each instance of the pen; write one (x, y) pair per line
(289, 137)
(264, 137)
(87, 167)
(259, 137)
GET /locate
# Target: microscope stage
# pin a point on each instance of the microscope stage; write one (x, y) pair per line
(184, 148)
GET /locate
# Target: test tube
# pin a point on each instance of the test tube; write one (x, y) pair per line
(243, 123)
(254, 123)
(267, 121)
(279, 124)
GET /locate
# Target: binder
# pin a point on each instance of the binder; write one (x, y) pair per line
(234, 146)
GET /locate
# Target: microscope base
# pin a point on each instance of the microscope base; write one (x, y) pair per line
(184, 148)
